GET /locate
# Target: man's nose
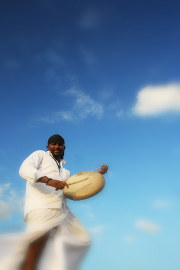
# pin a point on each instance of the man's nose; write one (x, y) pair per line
(56, 145)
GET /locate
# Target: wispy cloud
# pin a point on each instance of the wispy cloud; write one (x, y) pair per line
(106, 93)
(12, 64)
(52, 56)
(4, 188)
(10, 201)
(83, 106)
(97, 232)
(162, 204)
(147, 226)
(88, 56)
(57, 117)
(157, 100)
(90, 19)
(93, 16)
(130, 238)
(97, 229)
(114, 105)
(119, 114)
(5, 210)
(88, 210)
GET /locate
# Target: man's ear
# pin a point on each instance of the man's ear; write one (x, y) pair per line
(47, 147)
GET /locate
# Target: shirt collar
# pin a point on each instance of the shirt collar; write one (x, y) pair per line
(61, 161)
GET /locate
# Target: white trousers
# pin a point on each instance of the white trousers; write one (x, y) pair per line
(66, 246)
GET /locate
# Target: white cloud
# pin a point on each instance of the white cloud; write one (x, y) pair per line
(57, 116)
(156, 100)
(93, 17)
(54, 57)
(88, 56)
(16, 201)
(83, 106)
(115, 106)
(3, 188)
(106, 94)
(10, 201)
(119, 114)
(12, 64)
(130, 239)
(88, 210)
(5, 210)
(147, 226)
(96, 233)
(90, 19)
(97, 229)
(162, 204)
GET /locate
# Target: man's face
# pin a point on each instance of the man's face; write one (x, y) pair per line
(57, 149)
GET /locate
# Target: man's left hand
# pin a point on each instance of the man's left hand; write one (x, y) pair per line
(104, 169)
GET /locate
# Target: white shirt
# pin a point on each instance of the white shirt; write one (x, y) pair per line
(40, 195)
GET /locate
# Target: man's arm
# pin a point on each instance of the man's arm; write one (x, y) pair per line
(53, 183)
(29, 168)
(29, 171)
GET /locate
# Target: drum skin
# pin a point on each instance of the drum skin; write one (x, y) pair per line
(84, 185)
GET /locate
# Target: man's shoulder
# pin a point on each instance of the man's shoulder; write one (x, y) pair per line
(38, 153)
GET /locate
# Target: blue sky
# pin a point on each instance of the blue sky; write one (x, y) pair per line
(105, 75)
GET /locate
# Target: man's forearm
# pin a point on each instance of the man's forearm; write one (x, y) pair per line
(52, 182)
(43, 179)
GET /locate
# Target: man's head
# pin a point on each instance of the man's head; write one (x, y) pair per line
(56, 145)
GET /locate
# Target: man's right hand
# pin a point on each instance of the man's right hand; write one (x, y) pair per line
(53, 183)
(57, 184)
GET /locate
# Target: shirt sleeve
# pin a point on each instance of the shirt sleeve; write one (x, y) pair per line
(67, 174)
(29, 168)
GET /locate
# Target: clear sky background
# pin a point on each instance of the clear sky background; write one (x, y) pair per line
(106, 76)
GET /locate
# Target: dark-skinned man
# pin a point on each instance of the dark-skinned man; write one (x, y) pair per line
(46, 212)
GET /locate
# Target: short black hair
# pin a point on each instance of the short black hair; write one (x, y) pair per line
(56, 138)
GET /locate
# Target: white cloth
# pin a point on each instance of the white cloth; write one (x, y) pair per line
(46, 211)
(67, 243)
(40, 195)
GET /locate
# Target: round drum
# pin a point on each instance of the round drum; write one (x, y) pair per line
(84, 185)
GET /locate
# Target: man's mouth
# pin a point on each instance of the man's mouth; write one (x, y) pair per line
(56, 151)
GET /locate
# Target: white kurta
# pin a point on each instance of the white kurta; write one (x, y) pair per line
(68, 240)
(40, 195)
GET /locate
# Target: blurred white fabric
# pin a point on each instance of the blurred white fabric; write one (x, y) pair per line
(67, 243)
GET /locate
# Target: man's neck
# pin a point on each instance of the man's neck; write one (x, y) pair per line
(56, 158)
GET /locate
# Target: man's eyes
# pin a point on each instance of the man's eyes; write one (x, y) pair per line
(53, 144)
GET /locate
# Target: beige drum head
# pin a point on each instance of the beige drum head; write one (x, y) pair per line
(84, 185)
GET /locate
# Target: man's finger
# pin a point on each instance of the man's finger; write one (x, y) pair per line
(66, 185)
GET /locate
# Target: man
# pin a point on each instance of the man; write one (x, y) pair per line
(46, 210)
